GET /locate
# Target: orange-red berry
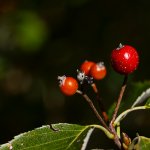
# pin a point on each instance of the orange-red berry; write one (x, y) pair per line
(98, 71)
(86, 67)
(68, 85)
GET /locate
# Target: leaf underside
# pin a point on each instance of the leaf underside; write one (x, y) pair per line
(58, 137)
(140, 143)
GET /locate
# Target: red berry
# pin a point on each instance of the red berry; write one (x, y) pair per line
(124, 59)
(86, 66)
(68, 85)
(98, 71)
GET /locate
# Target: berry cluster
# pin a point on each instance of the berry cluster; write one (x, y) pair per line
(89, 70)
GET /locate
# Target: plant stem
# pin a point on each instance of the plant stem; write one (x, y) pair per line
(119, 99)
(116, 138)
(93, 108)
(111, 125)
(118, 129)
(101, 106)
(107, 133)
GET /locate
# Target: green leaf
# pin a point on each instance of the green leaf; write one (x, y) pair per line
(139, 87)
(134, 91)
(140, 143)
(58, 137)
(142, 98)
(123, 114)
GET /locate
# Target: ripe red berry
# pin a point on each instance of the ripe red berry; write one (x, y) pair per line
(86, 66)
(124, 59)
(68, 85)
(98, 71)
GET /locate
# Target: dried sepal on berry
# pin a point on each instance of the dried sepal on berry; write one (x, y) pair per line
(82, 78)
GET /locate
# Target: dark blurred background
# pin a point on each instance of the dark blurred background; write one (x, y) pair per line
(40, 40)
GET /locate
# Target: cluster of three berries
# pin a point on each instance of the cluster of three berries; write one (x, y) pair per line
(88, 70)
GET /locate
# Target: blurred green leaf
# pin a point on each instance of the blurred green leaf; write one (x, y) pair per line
(30, 31)
(59, 136)
(140, 143)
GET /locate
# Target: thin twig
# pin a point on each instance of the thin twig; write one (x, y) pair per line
(116, 137)
(107, 133)
(119, 99)
(111, 125)
(101, 105)
(93, 108)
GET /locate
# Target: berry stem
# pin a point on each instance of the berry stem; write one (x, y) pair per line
(111, 125)
(93, 108)
(101, 105)
(119, 99)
